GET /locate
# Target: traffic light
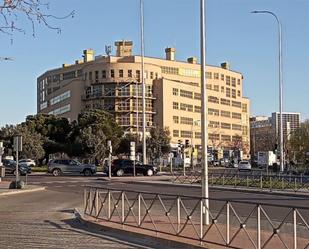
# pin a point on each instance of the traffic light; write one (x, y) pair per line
(187, 143)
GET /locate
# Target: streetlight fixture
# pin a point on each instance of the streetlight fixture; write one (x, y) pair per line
(205, 191)
(280, 81)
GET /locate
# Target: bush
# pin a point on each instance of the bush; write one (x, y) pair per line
(20, 185)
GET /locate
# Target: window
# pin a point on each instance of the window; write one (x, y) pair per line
(228, 80)
(228, 92)
(225, 126)
(234, 93)
(96, 76)
(61, 110)
(198, 134)
(222, 89)
(216, 88)
(226, 114)
(238, 81)
(186, 134)
(244, 108)
(43, 105)
(130, 73)
(209, 86)
(112, 73)
(222, 77)
(226, 138)
(187, 121)
(69, 75)
(176, 119)
(138, 74)
(233, 82)
(197, 109)
(120, 73)
(213, 99)
(214, 112)
(213, 124)
(209, 75)
(60, 97)
(197, 96)
(238, 93)
(236, 115)
(151, 75)
(213, 136)
(236, 127)
(175, 133)
(104, 74)
(186, 107)
(175, 105)
(170, 70)
(216, 76)
(90, 75)
(186, 94)
(225, 101)
(236, 104)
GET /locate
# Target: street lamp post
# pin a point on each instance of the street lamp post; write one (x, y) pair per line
(143, 81)
(280, 81)
(205, 192)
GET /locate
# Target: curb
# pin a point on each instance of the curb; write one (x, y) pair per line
(19, 191)
(164, 243)
(255, 191)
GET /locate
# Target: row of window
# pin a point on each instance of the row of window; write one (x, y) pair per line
(60, 97)
(61, 110)
(198, 135)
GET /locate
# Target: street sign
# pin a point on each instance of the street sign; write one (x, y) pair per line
(17, 145)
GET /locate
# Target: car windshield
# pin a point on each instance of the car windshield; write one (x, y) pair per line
(243, 162)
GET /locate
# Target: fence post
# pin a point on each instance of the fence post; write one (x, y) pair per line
(282, 183)
(258, 227)
(295, 187)
(295, 228)
(247, 181)
(122, 207)
(223, 180)
(85, 200)
(139, 209)
(178, 214)
(201, 220)
(109, 204)
(270, 183)
(261, 181)
(235, 181)
(96, 203)
(227, 223)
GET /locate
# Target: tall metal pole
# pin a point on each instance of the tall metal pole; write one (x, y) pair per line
(143, 81)
(280, 82)
(205, 192)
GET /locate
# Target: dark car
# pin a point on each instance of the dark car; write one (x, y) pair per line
(10, 167)
(125, 166)
(62, 166)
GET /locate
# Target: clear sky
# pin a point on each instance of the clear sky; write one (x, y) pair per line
(249, 42)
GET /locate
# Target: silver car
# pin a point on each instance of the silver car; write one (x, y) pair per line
(244, 165)
(63, 166)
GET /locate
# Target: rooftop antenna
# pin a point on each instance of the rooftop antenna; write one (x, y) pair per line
(108, 50)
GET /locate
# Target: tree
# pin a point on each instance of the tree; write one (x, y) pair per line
(158, 143)
(92, 131)
(124, 145)
(13, 12)
(299, 142)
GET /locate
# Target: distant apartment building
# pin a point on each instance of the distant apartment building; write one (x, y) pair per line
(173, 95)
(265, 131)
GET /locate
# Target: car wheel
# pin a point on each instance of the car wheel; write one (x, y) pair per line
(56, 172)
(87, 172)
(14, 172)
(149, 172)
(120, 172)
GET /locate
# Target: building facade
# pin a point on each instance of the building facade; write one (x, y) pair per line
(173, 95)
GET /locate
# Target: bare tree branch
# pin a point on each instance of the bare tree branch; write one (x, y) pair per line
(33, 10)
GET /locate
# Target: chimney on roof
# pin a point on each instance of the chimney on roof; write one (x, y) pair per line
(88, 55)
(192, 60)
(225, 65)
(124, 48)
(170, 54)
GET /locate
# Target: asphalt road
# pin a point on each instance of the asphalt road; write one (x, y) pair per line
(45, 220)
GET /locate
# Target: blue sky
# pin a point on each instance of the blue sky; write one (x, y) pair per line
(249, 42)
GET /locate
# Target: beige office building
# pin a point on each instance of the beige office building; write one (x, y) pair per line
(173, 97)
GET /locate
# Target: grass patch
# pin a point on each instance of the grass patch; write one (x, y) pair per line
(39, 169)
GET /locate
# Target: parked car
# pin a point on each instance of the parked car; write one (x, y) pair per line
(63, 166)
(10, 167)
(244, 165)
(125, 166)
(28, 162)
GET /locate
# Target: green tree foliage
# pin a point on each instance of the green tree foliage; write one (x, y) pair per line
(299, 142)
(158, 143)
(92, 131)
(124, 145)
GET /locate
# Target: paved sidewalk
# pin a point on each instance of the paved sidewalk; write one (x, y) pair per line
(4, 189)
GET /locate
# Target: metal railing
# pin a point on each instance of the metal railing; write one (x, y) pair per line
(249, 180)
(233, 223)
